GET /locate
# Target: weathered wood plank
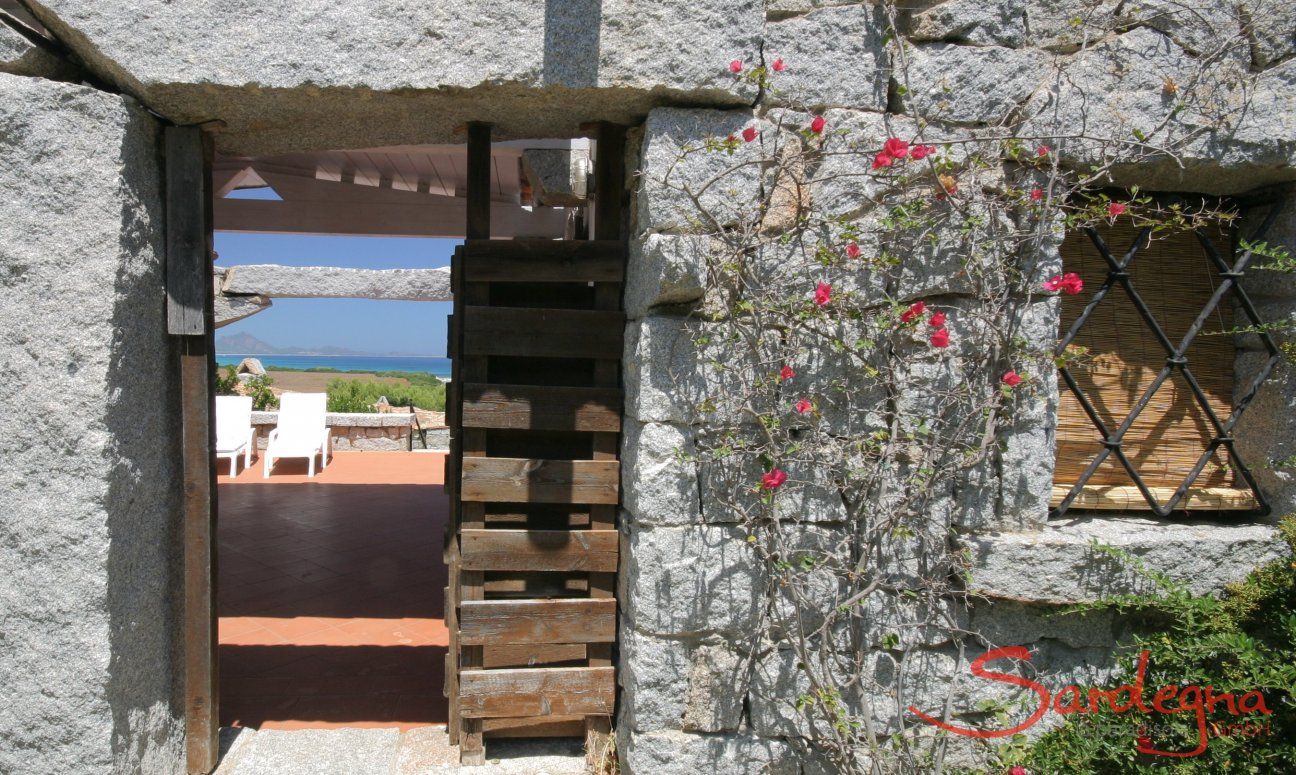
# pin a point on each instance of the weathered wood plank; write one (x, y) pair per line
(531, 654)
(540, 550)
(542, 408)
(1128, 498)
(544, 726)
(553, 691)
(543, 333)
(188, 231)
(540, 261)
(501, 622)
(608, 218)
(527, 480)
(526, 585)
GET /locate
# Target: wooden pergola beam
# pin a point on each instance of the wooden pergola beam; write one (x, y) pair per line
(445, 218)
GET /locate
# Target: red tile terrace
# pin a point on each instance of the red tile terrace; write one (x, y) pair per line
(330, 593)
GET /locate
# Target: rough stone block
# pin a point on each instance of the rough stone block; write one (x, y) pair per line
(690, 581)
(971, 84)
(842, 184)
(840, 366)
(682, 685)
(1266, 433)
(852, 72)
(1273, 30)
(791, 267)
(660, 45)
(1058, 564)
(683, 753)
(1226, 140)
(683, 371)
(972, 22)
(664, 269)
(809, 495)
(1010, 623)
(659, 482)
(90, 438)
(676, 168)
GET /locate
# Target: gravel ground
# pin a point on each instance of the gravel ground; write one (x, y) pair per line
(386, 752)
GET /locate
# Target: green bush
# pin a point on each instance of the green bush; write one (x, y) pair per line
(360, 396)
(1243, 641)
(263, 398)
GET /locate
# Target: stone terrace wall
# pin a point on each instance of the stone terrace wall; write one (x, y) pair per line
(359, 432)
(89, 440)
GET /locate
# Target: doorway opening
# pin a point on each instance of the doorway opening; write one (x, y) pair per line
(331, 591)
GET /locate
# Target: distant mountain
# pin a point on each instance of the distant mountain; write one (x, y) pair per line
(246, 344)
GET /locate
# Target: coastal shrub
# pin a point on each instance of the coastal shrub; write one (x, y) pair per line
(263, 398)
(360, 396)
(1242, 642)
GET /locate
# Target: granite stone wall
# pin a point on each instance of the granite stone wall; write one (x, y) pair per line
(88, 650)
(89, 439)
(702, 689)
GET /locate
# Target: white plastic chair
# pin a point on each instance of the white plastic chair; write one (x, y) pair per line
(301, 431)
(234, 430)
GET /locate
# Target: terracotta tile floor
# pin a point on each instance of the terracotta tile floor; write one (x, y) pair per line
(330, 593)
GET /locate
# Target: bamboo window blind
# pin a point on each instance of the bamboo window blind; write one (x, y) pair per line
(1172, 274)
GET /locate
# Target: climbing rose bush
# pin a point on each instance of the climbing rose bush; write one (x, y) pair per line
(863, 348)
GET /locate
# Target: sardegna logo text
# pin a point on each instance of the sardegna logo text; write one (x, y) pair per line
(1166, 700)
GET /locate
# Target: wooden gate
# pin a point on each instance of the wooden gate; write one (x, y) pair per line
(534, 410)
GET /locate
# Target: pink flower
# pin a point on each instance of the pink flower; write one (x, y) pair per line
(786, 373)
(1036, 194)
(778, 66)
(774, 479)
(803, 406)
(735, 66)
(1019, 770)
(817, 124)
(750, 134)
(823, 294)
(1116, 208)
(853, 250)
(883, 159)
(915, 310)
(940, 338)
(1043, 150)
(1011, 378)
(938, 320)
(1069, 283)
(920, 151)
(896, 147)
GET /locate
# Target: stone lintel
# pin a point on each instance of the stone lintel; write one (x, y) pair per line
(1059, 564)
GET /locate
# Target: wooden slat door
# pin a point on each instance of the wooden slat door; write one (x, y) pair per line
(535, 424)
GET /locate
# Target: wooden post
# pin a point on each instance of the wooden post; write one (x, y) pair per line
(609, 182)
(190, 316)
(472, 749)
(479, 181)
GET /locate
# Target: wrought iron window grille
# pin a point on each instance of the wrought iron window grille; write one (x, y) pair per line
(1176, 360)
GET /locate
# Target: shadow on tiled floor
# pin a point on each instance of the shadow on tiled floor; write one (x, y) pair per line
(331, 593)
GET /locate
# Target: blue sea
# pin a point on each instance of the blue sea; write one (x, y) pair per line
(368, 363)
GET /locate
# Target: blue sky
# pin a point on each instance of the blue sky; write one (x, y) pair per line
(414, 327)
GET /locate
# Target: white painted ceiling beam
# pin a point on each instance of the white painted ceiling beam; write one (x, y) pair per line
(446, 217)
